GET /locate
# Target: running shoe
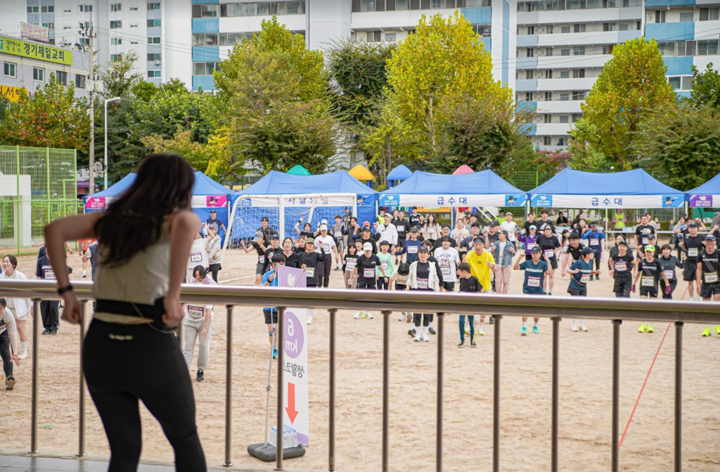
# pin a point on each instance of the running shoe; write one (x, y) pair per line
(84, 274)
(461, 345)
(412, 332)
(368, 315)
(53, 333)
(417, 339)
(523, 331)
(47, 331)
(23, 355)
(536, 330)
(10, 383)
(564, 277)
(584, 329)
(642, 328)
(432, 330)
(200, 376)
(706, 332)
(574, 329)
(480, 332)
(717, 330)
(358, 314)
(425, 338)
(309, 320)
(472, 344)
(650, 329)
(275, 353)
(597, 277)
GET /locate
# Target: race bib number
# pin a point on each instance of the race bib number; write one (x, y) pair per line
(196, 312)
(326, 248)
(261, 259)
(445, 270)
(549, 253)
(384, 265)
(529, 246)
(670, 274)
(584, 279)
(422, 283)
(621, 266)
(412, 249)
(350, 265)
(196, 257)
(645, 241)
(431, 230)
(710, 277)
(368, 272)
(310, 272)
(647, 281)
(401, 229)
(533, 281)
(693, 252)
(48, 274)
(338, 234)
(594, 242)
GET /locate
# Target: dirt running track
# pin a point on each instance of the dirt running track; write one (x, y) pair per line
(585, 394)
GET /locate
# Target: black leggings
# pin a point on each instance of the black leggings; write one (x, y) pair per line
(5, 353)
(214, 268)
(127, 363)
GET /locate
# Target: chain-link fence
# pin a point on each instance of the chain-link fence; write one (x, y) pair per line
(37, 186)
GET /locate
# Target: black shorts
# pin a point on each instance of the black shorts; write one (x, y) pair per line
(623, 285)
(270, 317)
(553, 263)
(449, 286)
(648, 292)
(690, 272)
(259, 269)
(708, 290)
(577, 293)
(366, 284)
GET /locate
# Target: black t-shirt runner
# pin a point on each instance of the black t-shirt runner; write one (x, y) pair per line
(710, 267)
(622, 265)
(642, 232)
(366, 267)
(694, 246)
(471, 284)
(575, 252)
(542, 224)
(370, 240)
(414, 220)
(402, 228)
(350, 262)
(423, 275)
(548, 245)
(649, 273)
(260, 249)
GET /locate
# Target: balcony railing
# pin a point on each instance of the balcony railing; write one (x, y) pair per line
(614, 310)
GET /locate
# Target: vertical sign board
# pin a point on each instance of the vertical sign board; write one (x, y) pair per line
(295, 359)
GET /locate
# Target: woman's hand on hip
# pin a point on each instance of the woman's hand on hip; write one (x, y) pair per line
(71, 310)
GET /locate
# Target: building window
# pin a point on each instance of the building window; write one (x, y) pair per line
(154, 57)
(282, 8)
(116, 24)
(564, 96)
(578, 73)
(565, 29)
(38, 74)
(374, 36)
(10, 69)
(660, 16)
(47, 9)
(390, 37)
(564, 74)
(580, 28)
(686, 17)
(565, 52)
(115, 41)
(578, 96)
(61, 77)
(529, 96)
(530, 30)
(709, 14)
(547, 140)
(562, 141)
(133, 8)
(50, 26)
(154, 74)
(33, 9)
(205, 39)
(86, 8)
(153, 23)
(204, 68)
(529, 74)
(205, 11)
(610, 26)
(153, 39)
(548, 95)
(80, 81)
(153, 6)
(579, 51)
(530, 52)
(564, 119)
(576, 117)
(707, 48)
(116, 7)
(608, 49)
(115, 57)
(623, 27)
(547, 117)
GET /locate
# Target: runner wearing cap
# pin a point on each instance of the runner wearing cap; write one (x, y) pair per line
(581, 271)
(708, 276)
(387, 231)
(366, 269)
(529, 238)
(386, 267)
(535, 270)
(549, 245)
(327, 243)
(259, 246)
(595, 237)
(411, 246)
(649, 271)
(310, 260)
(403, 227)
(366, 236)
(423, 276)
(510, 226)
(669, 263)
(482, 265)
(692, 245)
(621, 267)
(447, 258)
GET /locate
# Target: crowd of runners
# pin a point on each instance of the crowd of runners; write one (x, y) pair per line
(414, 252)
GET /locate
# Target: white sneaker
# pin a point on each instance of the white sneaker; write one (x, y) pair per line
(425, 338)
(417, 339)
(574, 329)
(84, 274)
(480, 332)
(23, 355)
(309, 320)
(368, 315)
(584, 329)
(357, 315)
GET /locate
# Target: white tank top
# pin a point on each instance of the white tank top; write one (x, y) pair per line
(143, 279)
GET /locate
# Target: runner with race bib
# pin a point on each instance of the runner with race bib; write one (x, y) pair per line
(581, 271)
(649, 272)
(534, 283)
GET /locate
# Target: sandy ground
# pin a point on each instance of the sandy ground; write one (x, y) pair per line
(585, 394)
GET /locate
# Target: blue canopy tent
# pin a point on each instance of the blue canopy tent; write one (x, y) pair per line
(631, 189)
(207, 195)
(479, 189)
(707, 195)
(285, 198)
(398, 174)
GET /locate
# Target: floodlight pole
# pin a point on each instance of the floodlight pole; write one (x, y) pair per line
(116, 99)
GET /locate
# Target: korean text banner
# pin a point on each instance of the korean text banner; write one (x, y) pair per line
(608, 201)
(393, 200)
(16, 47)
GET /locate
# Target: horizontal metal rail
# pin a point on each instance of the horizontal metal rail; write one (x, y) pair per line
(387, 302)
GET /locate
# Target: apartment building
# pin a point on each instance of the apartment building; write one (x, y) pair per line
(217, 24)
(157, 31)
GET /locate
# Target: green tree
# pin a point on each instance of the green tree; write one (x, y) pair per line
(585, 157)
(681, 144)
(52, 117)
(118, 78)
(705, 87)
(630, 87)
(442, 61)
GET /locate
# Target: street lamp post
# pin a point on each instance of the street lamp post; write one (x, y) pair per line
(116, 99)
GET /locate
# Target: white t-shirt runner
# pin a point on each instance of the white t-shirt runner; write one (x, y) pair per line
(448, 260)
(510, 227)
(325, 242)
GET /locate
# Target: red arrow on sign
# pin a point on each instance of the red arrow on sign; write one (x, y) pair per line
(292, 413)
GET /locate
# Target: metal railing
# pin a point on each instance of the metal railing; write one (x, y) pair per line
(614, 309)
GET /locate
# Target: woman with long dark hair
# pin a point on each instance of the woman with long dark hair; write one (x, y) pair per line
(131, 353)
